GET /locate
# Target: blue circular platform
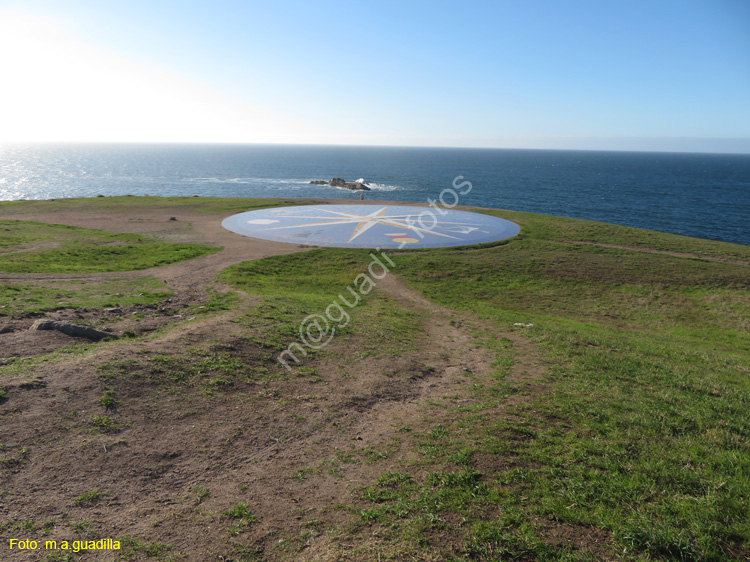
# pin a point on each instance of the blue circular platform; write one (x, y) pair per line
(371, 226)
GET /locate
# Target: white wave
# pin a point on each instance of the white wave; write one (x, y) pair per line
(377, 186)
(372, 186)
(383, 187)
(302, 182)
(267, 181)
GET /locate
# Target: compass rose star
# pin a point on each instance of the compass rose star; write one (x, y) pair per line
(363, 226)
(377, 225)
(365, 222)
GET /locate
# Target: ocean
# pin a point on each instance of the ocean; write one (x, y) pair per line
(702, 195)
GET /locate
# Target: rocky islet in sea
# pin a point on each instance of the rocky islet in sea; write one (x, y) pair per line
(338, 182)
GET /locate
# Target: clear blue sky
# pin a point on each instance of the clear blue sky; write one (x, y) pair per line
(632, 75)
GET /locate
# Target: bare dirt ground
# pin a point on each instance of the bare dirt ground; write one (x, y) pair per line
(170, 458)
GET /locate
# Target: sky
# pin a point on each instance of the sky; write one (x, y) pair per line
(578, 74)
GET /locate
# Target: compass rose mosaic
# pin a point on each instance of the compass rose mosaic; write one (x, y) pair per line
(371, 226)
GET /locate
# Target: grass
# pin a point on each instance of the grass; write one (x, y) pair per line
(201, 493)
(20, 299)
(67, 249)
(133, 549)
(644, 433)
(240, 511)
(241, 517)
(638, 439)
(130, 204)
(313, 283)
(216, 303)
(87, 498)
(105, 424)
(24, 366)
(109, 400)
(210, 370)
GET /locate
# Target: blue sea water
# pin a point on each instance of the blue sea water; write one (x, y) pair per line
(702, 195)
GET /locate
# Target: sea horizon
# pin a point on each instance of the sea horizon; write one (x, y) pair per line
(742, 152)
(706, 195)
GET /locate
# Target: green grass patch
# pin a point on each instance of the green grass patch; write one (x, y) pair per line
(87, 498)
(132, 548)
(109, 400)
(20, 365)
(318, 283)
(210, 370)
(81, 250)
(140, 204)
(201, 493)
(242, 512)
(21, 299)
(554, 229)
(105, 424)
(216, 303)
